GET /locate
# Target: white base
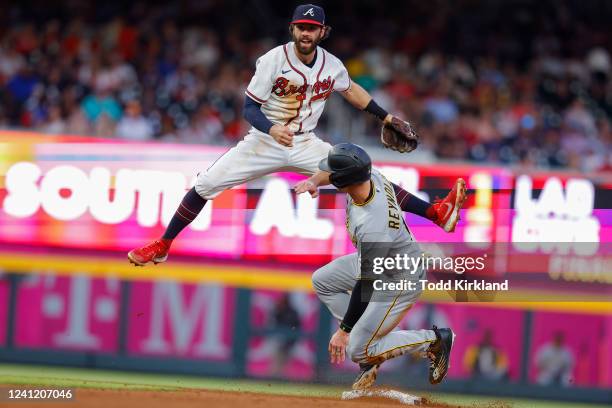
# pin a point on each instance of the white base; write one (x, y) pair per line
(399, 396)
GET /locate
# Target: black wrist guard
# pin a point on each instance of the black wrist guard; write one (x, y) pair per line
(376, 110)
(345, 328)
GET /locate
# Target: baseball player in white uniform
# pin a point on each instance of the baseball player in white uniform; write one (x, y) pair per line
(367, 317)
(283, 103)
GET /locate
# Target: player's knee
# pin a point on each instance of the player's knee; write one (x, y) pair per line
(205, 186)
(317, 281)
(320, 279)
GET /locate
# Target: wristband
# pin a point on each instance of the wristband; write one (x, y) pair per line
(376, 110)
(345, 328)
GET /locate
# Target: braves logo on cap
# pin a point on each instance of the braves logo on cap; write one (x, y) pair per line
(308, 14)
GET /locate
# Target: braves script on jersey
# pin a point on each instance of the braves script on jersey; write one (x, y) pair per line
(291, 93)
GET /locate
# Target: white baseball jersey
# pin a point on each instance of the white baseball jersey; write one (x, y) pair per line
(291, 93)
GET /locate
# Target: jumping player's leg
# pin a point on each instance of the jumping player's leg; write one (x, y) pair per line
(308, 150)
(253, 157)
(187, 211)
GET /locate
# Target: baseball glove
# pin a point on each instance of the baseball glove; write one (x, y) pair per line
(399, 135)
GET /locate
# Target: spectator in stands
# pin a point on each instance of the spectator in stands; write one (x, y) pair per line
(133, 125)
(101, 105)
(541, 98)
(22, 84)
(286, 318)
(555, 362)
(55, 123)
(485, 361)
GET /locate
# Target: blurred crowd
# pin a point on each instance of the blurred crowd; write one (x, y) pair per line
(517, 82)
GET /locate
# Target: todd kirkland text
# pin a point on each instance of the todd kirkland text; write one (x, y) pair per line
(455, 284)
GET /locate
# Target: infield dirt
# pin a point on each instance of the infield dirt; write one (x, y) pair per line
(105, 398)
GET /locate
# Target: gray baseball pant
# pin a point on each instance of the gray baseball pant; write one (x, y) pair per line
(373, 339)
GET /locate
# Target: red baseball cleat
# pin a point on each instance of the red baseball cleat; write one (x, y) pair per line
(447, 209)
(156, 252)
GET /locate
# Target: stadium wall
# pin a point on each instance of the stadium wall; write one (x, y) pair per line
(71, 207)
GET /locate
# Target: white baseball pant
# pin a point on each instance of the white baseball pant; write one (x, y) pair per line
(258, 155)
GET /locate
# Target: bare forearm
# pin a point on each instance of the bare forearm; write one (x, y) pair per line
(320, 178)
(362, 100)
(312, 184)
(357, 96)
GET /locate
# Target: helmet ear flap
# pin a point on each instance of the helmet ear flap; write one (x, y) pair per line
(349, 177)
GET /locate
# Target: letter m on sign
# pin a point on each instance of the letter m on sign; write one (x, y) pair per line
(186, 320)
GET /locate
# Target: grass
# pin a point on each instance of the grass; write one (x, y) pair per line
(89, 378)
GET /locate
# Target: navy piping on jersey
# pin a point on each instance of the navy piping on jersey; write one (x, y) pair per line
(255, 98)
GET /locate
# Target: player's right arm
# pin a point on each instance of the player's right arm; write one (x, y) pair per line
(252, 113)
(282, 135)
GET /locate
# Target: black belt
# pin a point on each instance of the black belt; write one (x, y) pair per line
(302, 132)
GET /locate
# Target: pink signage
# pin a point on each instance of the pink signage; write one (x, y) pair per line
(4, 300)
(73, 313)
(98, 194)
(484, 332)
(177, 320)
(275, 355)
(570, 349)
(605, 369)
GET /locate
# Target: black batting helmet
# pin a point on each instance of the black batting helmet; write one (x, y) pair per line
(348, 164)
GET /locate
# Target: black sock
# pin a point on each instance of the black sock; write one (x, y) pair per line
(413, 204)
(187, 211)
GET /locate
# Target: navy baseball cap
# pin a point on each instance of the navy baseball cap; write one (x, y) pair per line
(309, 14)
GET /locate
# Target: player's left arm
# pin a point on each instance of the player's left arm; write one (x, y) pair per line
(396, 134)
(358, 303)
(362, 100)
(362, 292)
